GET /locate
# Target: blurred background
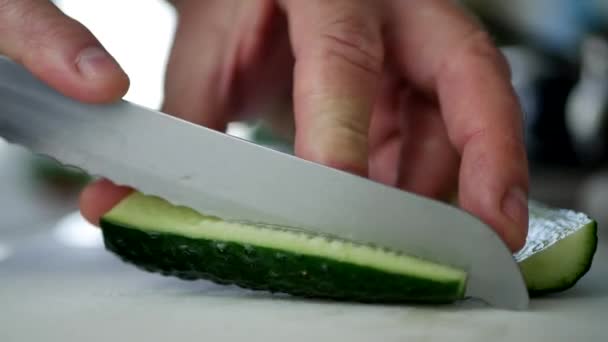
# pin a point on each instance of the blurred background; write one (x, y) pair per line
(558, 51)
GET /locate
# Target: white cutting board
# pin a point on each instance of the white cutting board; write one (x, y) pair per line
(51, 290)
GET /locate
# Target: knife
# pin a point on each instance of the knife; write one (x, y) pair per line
(221, 175)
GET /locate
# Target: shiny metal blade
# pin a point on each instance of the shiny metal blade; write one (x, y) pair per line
(225, 176)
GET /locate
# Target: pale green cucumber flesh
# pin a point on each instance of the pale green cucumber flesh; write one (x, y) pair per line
(559, 250)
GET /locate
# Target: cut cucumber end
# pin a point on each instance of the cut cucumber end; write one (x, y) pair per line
(559, 250)
(562, 265)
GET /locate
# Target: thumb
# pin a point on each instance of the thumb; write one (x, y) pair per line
(59, 51)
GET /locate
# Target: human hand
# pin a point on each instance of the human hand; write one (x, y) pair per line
(410, 93)
(59, 51)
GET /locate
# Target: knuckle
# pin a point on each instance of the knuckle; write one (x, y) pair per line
(471, 137)
(17, 19)
(475, 50)
(11, 12)
(343, 147)
(7, 5)
(38, 24)
(479, 45)
(44, 33)
(507, 142)
(353, 40)
(351, 129)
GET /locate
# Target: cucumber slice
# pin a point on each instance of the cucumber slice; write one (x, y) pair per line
(559, 249)
(157, 236)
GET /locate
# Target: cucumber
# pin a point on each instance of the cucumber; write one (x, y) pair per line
(177, 241)
(157, 236)
(559, 249)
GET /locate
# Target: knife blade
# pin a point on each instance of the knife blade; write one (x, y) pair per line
(225, 176)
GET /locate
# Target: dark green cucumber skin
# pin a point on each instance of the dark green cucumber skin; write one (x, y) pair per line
(573, 280)
(270, 270)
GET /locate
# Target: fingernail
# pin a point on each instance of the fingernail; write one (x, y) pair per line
(515, 206)
(94, 62)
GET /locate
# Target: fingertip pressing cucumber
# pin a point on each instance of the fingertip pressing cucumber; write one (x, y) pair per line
(159, 237)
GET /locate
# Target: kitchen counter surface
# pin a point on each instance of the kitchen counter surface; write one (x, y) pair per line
(57, 283)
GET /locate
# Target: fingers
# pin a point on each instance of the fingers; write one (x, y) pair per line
(200, 73)
(99, 197)
(195, 83)
(339, 58)
(429, 163)
(60, 51)
(65, 55)
(440, 48)
(484, 121)
(409, 146)
(386, 132)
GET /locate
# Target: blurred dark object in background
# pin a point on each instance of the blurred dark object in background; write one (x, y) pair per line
(543, 84)
(558, 53)
(555, 26)
(587, 105)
